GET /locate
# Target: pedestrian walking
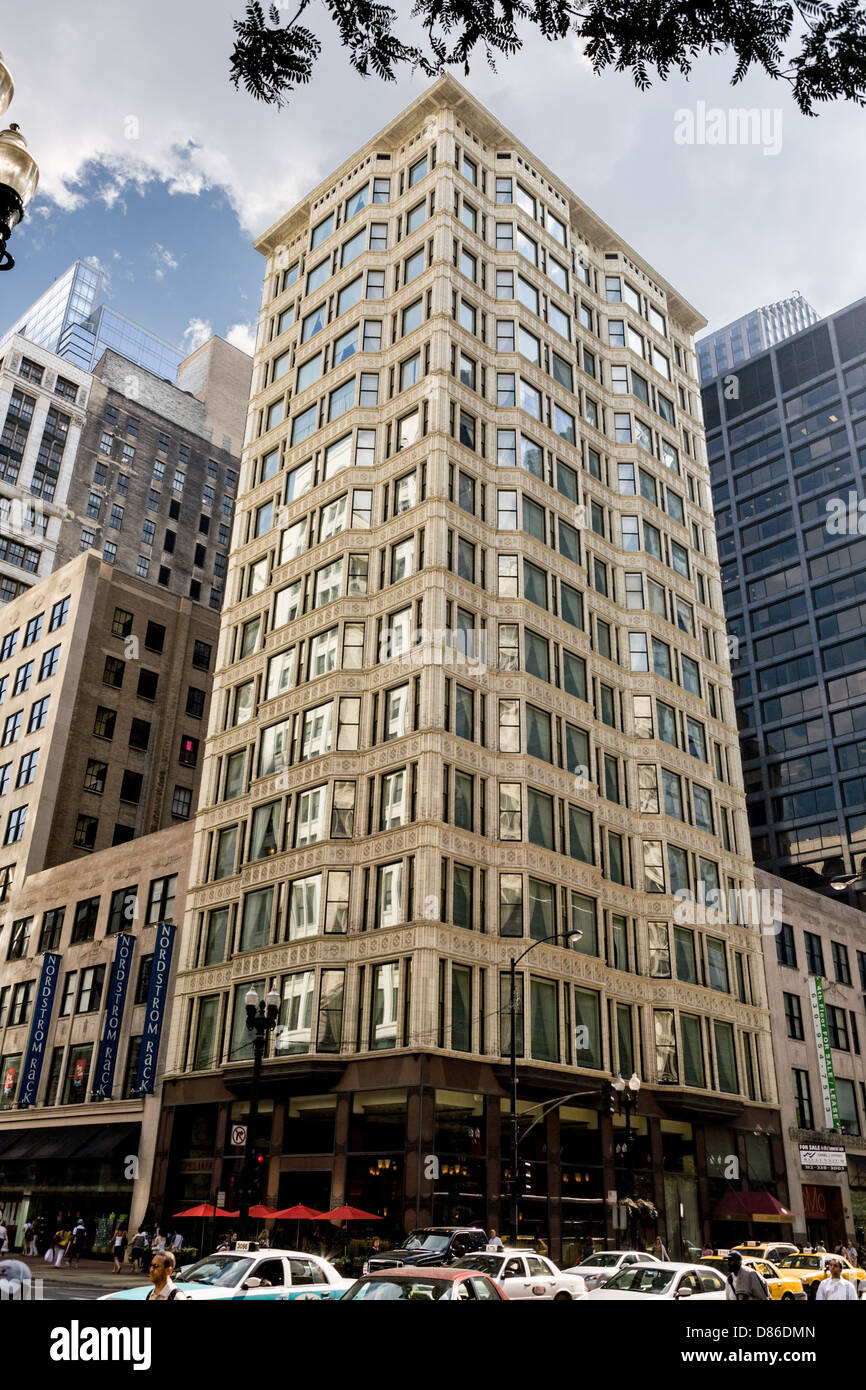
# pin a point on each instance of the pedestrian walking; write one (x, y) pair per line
(834, 1288)
(851, 1254)
(28, 1246)
(77, 1242)
(137, 1249)
(164, 1287)
(493, 1241)
(4, 1239)
(659, 1249)
(176, 1245)
(157, 1245)
(820, 1248)
(61, 1240)
(119, 1244)
(743, 1282)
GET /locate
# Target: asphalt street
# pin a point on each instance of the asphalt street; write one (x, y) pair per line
(94, 1278)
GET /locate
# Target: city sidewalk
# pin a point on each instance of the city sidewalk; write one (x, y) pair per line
(90, 1271)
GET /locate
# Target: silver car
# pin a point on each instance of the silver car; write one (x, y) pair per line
(604, 1264)
(525, 1274)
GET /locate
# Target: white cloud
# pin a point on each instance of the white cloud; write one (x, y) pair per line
(196, 333)
(164, 260)
(243, 336)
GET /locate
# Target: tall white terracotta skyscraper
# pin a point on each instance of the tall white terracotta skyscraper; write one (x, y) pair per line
(472, 693)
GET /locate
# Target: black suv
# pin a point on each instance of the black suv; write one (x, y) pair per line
(433, 1245)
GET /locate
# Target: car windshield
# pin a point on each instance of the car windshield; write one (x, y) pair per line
(427, 1240)
(395, 1290)
(604, 1260)
(485, 1264)
(800, 1262)
(222, 1271)
(643, 1280)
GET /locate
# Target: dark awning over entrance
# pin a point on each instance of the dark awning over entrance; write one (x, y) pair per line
(751, 1206)
(76, 1141)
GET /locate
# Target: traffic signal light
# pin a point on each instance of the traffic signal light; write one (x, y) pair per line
(257, 1178)
(608, 1098)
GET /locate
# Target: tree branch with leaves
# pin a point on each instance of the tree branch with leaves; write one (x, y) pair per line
(818, 49)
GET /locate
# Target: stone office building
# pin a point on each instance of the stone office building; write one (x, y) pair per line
(473, 692)
(154, 486)
(104, 696)
(122, 462)
(84, 1140)
(822, 1084)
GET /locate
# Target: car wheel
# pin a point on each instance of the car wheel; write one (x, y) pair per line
(787, 1298)
(558, 1297)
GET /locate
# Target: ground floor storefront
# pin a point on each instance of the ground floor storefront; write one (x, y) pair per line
(56, 1175)
(828, 1188)
(426, 1139)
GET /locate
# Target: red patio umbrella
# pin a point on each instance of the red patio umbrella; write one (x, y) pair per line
(205, 1209)
(261, 1212)
(299, 1214)
(351, 1214)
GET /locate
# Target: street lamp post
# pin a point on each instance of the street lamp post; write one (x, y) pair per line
(627, 1098)
(19, 173)
(262, 1018)
(515, 1131)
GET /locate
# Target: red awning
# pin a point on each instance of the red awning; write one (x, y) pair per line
(751, 1206)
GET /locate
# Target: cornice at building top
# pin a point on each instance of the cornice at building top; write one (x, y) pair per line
(446, 94)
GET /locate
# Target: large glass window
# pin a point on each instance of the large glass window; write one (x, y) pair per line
(256, 919)
(544, 1045)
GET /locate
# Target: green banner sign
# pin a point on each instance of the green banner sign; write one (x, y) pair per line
(825, 1056)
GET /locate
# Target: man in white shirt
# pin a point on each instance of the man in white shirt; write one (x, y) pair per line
(164, 1287)
(835, 1288)
(493, 1241)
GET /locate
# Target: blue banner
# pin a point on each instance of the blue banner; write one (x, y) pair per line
(32, 1068)
(103, 1079)
(157, 998)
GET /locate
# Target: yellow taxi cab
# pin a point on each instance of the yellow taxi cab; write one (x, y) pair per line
(783, 1285)
(772, 1250)
(812, 1269)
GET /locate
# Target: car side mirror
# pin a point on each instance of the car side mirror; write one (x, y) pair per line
(254, 1283)
(683, 1293)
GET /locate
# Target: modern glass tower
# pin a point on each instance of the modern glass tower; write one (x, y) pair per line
(750, 335)
(473, 693)
(70, 319)
(786, 439)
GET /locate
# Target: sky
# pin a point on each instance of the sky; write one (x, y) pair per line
(151, 163)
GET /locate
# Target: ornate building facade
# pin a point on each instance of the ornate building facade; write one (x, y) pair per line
(473, 693)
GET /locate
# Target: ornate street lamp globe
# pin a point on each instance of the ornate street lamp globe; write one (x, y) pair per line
(19, 175)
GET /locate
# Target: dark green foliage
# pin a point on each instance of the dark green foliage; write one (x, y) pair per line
(818, 48)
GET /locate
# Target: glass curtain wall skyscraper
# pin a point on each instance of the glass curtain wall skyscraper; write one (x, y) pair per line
(71, 319)
(473, 692)
(786, 439)
(750, 335)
